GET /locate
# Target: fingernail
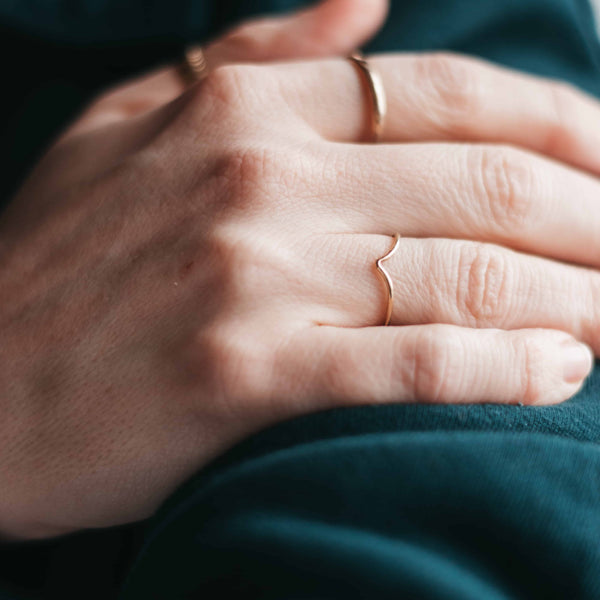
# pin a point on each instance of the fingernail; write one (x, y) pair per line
(577, 360)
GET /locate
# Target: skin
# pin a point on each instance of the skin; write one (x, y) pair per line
(186, 267)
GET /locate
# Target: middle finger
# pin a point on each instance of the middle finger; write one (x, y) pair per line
(436, 97)
(481, 192)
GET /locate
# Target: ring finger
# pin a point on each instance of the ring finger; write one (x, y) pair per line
(455, 282)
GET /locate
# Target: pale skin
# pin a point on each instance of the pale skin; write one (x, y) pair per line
(186, 267)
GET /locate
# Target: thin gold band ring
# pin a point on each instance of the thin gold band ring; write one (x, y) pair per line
(194, 65)
(387, 280)
(373, 85)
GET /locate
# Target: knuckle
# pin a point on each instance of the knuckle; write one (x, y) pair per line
(505, 183)
(238, 264)
(532, 371)
(452, 86)
(431, 367)
(230, 93)
(561, 134)
(227, 83)
(263, 176)
(483, 285)
(247, 266)
(249, 177)
(334, 374)
(590, 319)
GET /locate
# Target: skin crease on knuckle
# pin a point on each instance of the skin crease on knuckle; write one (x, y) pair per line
(483, 285)
(505, 186)
(533, 370)
(431, 367)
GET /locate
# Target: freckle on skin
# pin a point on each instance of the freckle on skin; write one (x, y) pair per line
(186, 269)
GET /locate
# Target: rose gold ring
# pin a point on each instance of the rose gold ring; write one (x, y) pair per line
(194, 67)
(371, 81)
(387, 280)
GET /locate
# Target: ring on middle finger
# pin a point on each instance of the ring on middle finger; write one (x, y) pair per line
(373, 85)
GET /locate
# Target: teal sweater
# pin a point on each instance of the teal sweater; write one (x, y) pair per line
(404, 501)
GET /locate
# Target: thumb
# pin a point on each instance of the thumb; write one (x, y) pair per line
(331, 27)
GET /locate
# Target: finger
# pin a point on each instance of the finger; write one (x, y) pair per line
(488, 193)
(449, 97)
(438, 363)
(134, 98)
(456, 282)
(76, 158)
(328, 28)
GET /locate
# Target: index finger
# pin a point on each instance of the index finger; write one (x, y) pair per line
(326, 28)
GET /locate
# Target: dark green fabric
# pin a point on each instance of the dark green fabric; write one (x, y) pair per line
(375, 502)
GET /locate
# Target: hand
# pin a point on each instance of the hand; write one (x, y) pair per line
(176, 281)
